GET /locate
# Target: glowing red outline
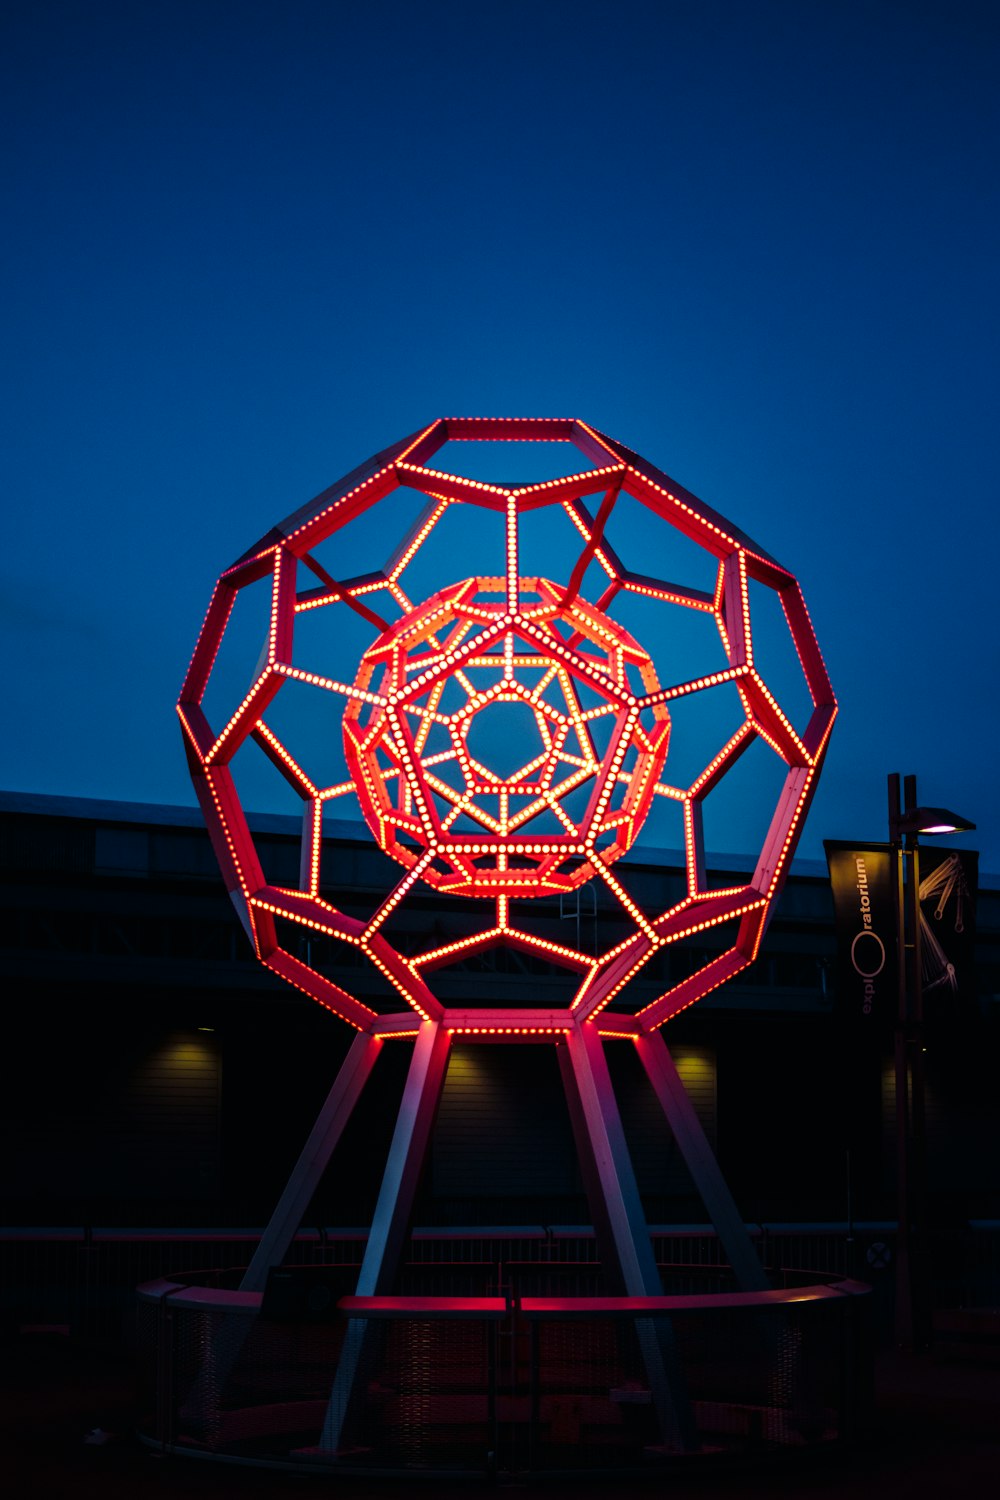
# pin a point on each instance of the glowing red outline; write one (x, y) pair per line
(506, 627)
(396, 777)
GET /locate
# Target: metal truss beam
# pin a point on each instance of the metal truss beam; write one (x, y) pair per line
(620, 1222)
(313, 1161)
(699, 1157)
(421, 1096)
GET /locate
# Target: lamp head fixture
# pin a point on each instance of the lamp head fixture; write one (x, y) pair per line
(935, 820)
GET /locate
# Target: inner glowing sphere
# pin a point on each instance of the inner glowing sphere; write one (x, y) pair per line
(496, 740)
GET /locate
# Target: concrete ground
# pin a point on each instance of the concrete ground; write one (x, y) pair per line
(936, 1434)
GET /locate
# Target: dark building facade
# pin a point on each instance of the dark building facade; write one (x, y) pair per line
(156, 1074)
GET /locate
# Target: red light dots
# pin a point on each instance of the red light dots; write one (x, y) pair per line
(504, 738)
(433, 790)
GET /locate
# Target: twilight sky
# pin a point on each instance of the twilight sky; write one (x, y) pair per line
(247, 245)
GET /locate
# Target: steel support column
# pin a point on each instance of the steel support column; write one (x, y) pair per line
(699, 1158)
(230, 1336)
(421, 1096)
(313, 1161)
(620, 1223)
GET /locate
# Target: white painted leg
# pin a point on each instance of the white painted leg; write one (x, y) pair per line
(701, 1163)
(621, 1223)
(312, 1162)
(421, 1095)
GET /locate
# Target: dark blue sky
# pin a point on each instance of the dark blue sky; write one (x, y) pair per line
(246, 245)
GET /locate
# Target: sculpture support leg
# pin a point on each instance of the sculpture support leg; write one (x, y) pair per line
(620, 1222)
(313, 1161)
(608, 1174)
(701, 1163)
(284, 1224)
(421, 1095)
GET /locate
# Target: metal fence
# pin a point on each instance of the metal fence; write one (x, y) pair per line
(83, 1279)
(519, 1385)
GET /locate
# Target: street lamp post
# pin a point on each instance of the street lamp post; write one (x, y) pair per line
(906, 822)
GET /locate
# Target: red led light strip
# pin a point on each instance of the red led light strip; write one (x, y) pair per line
(487, 643)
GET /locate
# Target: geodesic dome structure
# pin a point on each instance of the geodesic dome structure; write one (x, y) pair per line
(475, 665)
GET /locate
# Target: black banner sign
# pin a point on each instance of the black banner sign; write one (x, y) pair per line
(865, 924)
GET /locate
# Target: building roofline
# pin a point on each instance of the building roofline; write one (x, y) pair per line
(170, 815)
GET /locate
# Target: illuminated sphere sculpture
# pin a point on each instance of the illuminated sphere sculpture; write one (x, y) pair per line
(408, 740)
(488, 691)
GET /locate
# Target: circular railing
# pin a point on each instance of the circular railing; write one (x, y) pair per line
(515, 1384)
